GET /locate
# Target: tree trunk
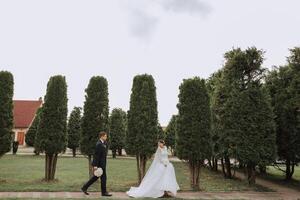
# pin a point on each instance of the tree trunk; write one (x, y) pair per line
(251, 173)
(210, 163)
(262, 169)
(120, 152)
(141, 166)
(293, 169)
(46, 167)
(172, 151)
(195, 172)
(91, 171)
(138, 168)
(223, 167)
(50, 166)
(54, 161)
(215, 161)
(36, 152)
(289, 169)
(243, 167)
(114, 153)
(214, 166)
(228, 167)
(74, 152)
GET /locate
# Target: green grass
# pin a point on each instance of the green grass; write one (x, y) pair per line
(278, 177)
(277, 173)
(25, 173)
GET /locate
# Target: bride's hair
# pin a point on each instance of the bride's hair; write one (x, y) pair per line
(162, 142)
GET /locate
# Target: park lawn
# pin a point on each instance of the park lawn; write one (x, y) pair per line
(277, 173)
(278, 176)
(25, 173)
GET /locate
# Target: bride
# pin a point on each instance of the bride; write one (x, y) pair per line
(160, 177)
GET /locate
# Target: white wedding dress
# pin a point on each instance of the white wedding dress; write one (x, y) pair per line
(159, 178)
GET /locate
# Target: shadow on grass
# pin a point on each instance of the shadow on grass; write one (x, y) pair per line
(293, 184)
(255, 187)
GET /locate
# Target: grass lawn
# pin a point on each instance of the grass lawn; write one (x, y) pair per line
(25, 173)
(277, 173)
(278, 176)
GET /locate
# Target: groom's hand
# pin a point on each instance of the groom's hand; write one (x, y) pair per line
(95, 168)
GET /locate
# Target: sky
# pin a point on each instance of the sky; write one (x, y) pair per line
(170, 39)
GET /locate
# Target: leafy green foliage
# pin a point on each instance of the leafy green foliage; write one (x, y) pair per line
(193, 123)
(283, 84)
(171, 132)
(32, 131)
(217, 96)
(142, 116)
(51, 136)
(95, 114)
(193, 126)
(247, 117)
(142, 133)
(74, 129)
(117, 131)
(161, 135)
(6, 111)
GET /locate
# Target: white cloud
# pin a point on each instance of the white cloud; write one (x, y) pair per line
(145, 14)
(187, 6)
(142, 24)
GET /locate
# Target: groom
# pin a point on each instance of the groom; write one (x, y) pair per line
(99, 160)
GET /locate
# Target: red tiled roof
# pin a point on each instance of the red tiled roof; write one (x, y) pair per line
(24, 112)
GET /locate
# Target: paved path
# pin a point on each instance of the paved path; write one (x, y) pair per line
(122, 195)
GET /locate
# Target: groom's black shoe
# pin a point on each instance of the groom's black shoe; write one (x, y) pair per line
(106, 194)
(84, 191)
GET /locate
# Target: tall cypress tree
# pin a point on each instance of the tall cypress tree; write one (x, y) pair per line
(6, 111)
(51, 136)
(213, 86)
(117, 130)
(193, 126)
(74, 129)
(171, 133)
(248, 117)
(283, 85)
(31, 133)
(95, 116)
(221, 139)
(161, 135)
(142, 133)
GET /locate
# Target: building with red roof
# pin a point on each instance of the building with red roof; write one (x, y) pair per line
(24, 114)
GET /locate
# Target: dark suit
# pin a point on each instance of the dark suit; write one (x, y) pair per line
(99, 160)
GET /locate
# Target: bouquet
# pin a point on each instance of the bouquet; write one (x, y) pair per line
(98, 172)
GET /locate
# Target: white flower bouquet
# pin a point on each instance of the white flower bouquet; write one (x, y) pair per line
(98, 172)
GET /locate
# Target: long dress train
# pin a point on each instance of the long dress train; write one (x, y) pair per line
(159, 178)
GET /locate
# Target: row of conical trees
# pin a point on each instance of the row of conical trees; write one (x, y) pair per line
(242, 112)
(254, 117)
